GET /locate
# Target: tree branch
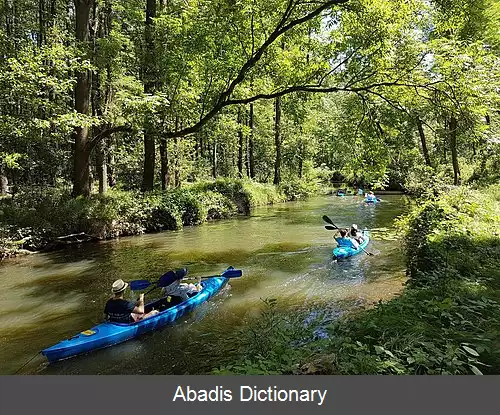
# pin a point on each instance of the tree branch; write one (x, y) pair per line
(281, 28)
(103, 134)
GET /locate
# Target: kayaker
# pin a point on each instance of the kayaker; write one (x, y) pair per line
(119, 310)
(356, 234)
(370, 197)
(182, 290)
(344, 240)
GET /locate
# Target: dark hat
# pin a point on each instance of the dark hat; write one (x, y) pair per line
(181, 273)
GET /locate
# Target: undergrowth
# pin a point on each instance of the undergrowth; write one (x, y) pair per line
(446, 321)
(35, 216)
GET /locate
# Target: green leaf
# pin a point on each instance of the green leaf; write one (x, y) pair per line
(470, 350)
(475, 370)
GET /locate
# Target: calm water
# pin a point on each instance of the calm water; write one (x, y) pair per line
(283, 250)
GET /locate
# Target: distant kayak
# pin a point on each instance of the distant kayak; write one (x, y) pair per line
(346, 252)
(108, 333)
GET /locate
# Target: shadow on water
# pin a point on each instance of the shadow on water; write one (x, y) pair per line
(284, 252)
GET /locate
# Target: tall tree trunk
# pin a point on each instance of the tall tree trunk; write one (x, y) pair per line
(251, 160)
(240, 144)
(483, 151)
(214, 158)
(149, 88)
(81, 183)
(102, 168)
(177, 167)
(423, 142)
(301, 157)
(177, 155)
(41, 23)
(445, 140)
(247, 143)
(4, 182)
(98, 32)
(110, 169)
(453, 148)
(277, 140)
(164, 164)
(53, 14)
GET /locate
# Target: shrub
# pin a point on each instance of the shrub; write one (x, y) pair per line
(299, 189)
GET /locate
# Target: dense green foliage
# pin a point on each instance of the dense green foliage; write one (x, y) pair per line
(447, 321)
(212, 88)
(36, 217)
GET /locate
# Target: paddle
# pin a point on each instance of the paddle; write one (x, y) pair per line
(164, 281)
(170, 277)
(333, 227)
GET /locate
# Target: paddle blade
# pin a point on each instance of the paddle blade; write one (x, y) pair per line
(327, 220)
(138, 285)
(330, 228)
(167, 279)
(232, 273)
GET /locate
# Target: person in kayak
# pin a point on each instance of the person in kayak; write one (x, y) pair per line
(370, 197)
(356, 234)
(119, 310)
(180, 289)
(344, 240)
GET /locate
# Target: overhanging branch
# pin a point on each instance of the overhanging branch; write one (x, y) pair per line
(281, 28)
(105, 133)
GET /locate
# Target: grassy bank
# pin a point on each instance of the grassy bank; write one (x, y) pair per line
(447, 321)
(40, 218)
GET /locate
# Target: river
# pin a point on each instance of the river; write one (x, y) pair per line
(283, 250)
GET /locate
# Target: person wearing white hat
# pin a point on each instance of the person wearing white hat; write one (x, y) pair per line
(370, 197)
(119, 310)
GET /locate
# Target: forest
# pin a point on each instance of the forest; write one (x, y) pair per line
(153, 94)
(123, 117)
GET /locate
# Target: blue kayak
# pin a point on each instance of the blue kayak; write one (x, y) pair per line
(109, 333)
(371, 201)
(346, 252)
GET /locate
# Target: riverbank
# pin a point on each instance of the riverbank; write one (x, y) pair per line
(446, 321)
(41, 219)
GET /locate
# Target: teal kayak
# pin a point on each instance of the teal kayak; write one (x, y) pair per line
(346, 252)
(109, 333)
